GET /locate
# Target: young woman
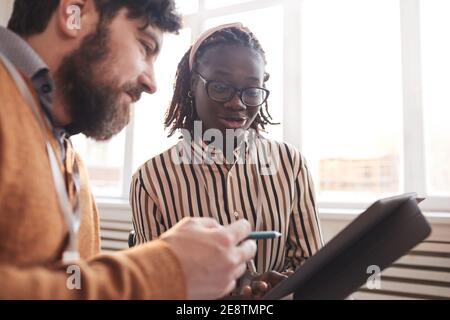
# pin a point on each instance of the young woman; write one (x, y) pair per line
(223, 167)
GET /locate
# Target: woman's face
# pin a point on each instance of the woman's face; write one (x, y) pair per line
(238, 66)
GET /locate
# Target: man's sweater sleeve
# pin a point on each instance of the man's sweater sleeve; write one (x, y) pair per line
(150, 271)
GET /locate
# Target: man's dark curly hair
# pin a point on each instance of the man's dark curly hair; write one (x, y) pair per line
(181, 113)
(31, 17)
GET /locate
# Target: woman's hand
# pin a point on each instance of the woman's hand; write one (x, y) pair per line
(263, 283)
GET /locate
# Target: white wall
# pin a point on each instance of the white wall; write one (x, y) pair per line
(5, 11)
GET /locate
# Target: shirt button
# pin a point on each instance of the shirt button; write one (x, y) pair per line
(230, 175)
(236, 214)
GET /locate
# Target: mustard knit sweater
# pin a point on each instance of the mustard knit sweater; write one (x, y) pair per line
(33, 233)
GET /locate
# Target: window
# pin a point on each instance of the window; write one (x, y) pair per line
(352, 97)
(435, 24)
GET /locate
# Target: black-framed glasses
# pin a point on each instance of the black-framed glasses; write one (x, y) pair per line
(223, 92)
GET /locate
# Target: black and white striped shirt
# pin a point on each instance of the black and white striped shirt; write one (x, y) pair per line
(273, 191)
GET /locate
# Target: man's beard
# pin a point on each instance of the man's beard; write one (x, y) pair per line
(89, 93)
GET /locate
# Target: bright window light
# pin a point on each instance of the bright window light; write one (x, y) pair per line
(435, 26)
(352, 97)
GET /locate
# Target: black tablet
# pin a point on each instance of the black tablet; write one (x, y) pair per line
(379, 236)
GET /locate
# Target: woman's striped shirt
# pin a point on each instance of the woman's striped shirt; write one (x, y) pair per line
(267, 183)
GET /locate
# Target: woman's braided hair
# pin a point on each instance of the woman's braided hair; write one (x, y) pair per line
(181, 113)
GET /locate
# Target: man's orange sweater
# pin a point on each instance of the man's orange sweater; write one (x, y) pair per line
(33, 233)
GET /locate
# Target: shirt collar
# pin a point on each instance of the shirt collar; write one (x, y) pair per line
(26, 59)
(20, 53)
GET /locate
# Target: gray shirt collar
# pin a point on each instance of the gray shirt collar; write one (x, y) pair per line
(23, 57)
(20, 53)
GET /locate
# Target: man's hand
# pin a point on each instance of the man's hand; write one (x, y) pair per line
(262, 284)
(210, 255)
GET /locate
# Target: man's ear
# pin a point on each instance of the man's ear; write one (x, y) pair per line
(70, 16)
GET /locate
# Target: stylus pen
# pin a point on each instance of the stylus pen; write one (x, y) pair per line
(261, 235)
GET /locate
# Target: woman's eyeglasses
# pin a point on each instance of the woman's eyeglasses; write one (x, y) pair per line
(223, 92)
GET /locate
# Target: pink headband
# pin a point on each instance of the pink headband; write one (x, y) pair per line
(205, 35)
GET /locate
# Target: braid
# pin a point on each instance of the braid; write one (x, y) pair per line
(181, 113)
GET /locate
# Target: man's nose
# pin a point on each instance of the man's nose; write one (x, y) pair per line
(148, 82)
(236, 103)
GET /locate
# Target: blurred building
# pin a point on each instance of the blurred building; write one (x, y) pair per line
(377, 175)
